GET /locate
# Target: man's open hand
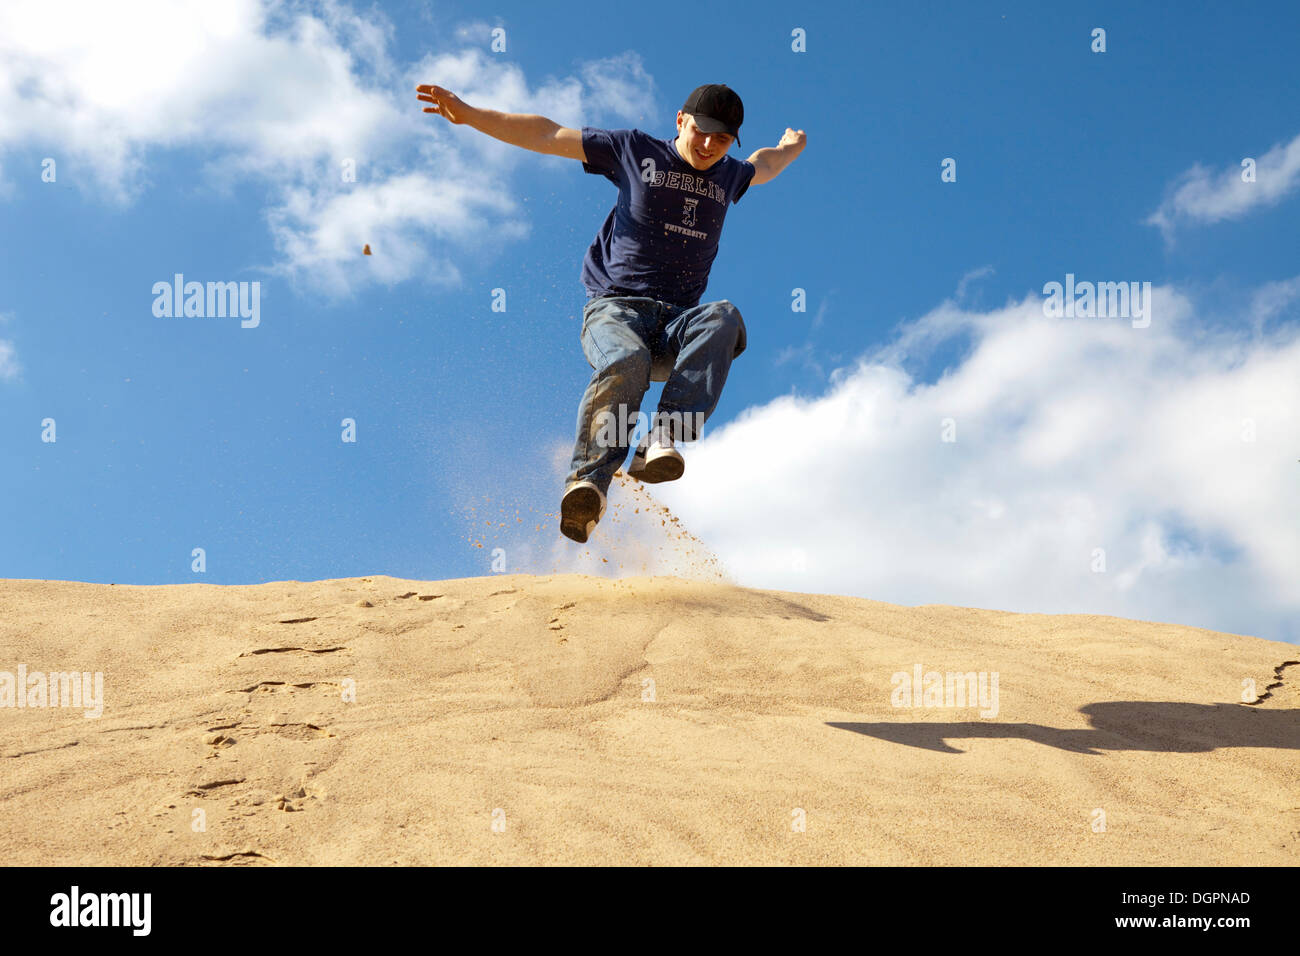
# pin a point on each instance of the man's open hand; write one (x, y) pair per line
(793, 137)
(445, 103)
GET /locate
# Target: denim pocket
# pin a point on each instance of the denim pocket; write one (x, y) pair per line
(586, 313)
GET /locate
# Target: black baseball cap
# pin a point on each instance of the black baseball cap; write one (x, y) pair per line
(716, 109)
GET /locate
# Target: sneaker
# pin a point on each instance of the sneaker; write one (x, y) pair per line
(658, 460)
(581, 507)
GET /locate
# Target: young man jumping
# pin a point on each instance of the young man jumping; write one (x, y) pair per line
(645, 274)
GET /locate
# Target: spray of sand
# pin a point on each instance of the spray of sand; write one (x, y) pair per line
(518, 531)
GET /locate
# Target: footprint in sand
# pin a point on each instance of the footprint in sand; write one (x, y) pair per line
(300, 731)
(278, 687)
(286, 650)
(240, 858)
(298, 799)
(556, 623)
(206, 789)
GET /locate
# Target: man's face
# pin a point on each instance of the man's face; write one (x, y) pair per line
(698, 148)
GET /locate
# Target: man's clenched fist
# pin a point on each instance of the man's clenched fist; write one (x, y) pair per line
(793, 137)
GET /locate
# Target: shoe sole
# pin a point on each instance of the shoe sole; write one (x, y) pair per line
(579, 512)
(668, 466)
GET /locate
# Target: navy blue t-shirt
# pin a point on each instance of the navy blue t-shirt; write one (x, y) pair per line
(661, 237)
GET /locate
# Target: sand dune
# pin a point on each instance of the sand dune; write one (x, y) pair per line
(570, 719)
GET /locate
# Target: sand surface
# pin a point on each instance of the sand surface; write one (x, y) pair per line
(521, 719)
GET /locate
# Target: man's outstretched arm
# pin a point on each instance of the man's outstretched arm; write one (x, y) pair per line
(769, 162)
(526, 130)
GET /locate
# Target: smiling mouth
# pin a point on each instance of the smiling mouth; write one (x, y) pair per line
(704, 156)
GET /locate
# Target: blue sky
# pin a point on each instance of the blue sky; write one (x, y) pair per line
(208, 140)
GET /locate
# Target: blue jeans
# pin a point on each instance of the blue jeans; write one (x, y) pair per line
(624, 337)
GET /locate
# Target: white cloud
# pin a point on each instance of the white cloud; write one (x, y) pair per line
(286, 93)
(398, 217)
(479, 32)
(804, 356)
(1071, 435)
(106, 88)
(1272, 300)
(971, 276)
(8, 357)
(620, 86)
(1203, 196)
(8, 360)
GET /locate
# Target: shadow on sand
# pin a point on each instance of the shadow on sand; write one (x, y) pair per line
(1116, 725)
